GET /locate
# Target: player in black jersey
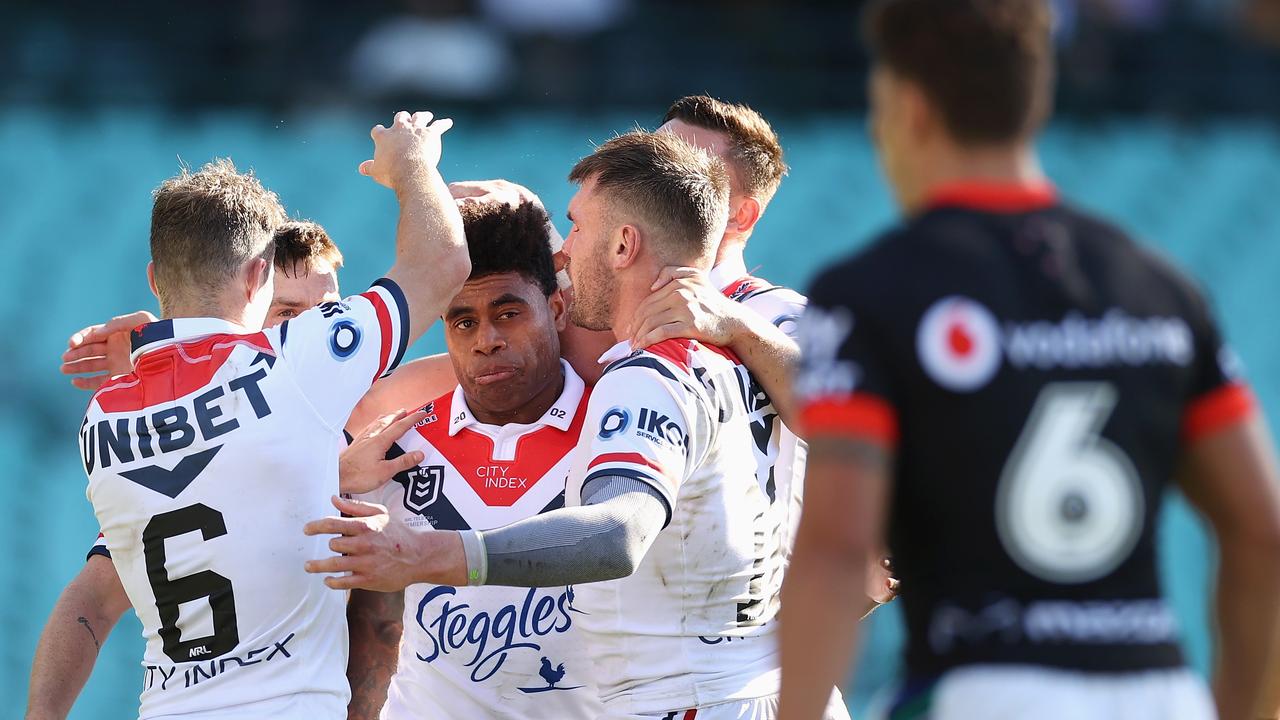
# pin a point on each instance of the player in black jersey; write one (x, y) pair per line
(1007, 386)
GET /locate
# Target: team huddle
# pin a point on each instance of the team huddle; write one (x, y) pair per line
(591, 505)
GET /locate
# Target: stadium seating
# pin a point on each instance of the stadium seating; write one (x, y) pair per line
(74, 209)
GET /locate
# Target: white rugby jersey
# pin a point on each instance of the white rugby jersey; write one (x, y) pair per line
(780, 454)
(693, 626)
(203, 465)
(491, 651)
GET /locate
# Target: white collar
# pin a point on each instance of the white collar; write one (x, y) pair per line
(560, 415)
(726, 273)
(616, 353)
(156, 335)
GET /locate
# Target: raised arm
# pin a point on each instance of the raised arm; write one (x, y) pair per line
(1231, 477)
(88, 608)
(431, 254)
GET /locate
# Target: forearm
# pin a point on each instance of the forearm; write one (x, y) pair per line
(770, 355)
(375, 621)
(1247, 628)
(431, 251)
(67, 651)
(603, 540)
(818, 629)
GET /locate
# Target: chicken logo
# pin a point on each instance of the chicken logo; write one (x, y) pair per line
(552, 675)
(959, 344)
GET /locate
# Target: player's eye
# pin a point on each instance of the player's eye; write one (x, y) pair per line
(464, 324)
(508, 314)
(287, 313)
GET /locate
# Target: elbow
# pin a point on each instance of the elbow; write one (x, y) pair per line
(453, 271)
(621, 559)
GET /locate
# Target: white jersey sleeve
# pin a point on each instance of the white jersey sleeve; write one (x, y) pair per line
(781, 306)
(336, 350)
(636, 427)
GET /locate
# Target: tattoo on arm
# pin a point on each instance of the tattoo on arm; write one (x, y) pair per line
(375, 622)
(85, 622)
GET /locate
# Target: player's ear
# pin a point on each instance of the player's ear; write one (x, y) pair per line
(916, 111)
(151, 279)
(257, 274)
(745, 215)
(559, 310)
(626, 248)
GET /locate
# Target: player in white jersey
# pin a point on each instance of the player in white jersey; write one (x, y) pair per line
(666, 484)
(204, 462)
(495, 449)
(306, 263)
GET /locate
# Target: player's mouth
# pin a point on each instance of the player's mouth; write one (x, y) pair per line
(495, 375)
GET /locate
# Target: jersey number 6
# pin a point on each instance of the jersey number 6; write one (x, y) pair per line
(1069, 506)
(170, 593)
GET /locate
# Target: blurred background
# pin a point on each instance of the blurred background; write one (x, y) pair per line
(1168, 119)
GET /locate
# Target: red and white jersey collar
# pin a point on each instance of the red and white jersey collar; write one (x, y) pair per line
(559, 416)
(162, 333)
(727, 272)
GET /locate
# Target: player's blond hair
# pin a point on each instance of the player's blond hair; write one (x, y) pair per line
(205, 225)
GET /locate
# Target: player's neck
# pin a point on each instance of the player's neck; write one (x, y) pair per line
(205, 311)
(531, 411)
(1012, 165)
(732, 248)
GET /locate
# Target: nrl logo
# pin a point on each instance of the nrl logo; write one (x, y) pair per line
(422, 487)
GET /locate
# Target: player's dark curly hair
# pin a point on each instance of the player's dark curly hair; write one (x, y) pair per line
(504, 239)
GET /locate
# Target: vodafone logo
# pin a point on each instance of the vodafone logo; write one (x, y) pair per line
(959, 344)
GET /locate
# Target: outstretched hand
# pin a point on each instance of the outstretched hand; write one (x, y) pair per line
(410, 146)
(382, 554)
(102, 350)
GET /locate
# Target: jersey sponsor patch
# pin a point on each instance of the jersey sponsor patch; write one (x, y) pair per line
(959, 344)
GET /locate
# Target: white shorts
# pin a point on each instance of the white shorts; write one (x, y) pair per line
(1022, 692)
(762, 708)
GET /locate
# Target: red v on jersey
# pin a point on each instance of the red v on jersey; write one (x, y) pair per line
(501, 483)
(164, 375)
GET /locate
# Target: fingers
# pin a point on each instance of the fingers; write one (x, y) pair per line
(348, 545)
(661, 333)
(336, 526)
(671, 272)
(406, 461)
(356, 509)
(83, 351)
(366, 167)
(403, 425)
(377, 130)
(83, 335)
(402, 118)
(422, 119)
(335, 564)
(378, 425)
(354, 581)
(89, 364)
(90, 382)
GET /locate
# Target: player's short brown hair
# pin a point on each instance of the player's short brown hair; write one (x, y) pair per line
(679, 191)
(205, 225)
(302, 246)
(985, 65)
(753, 145)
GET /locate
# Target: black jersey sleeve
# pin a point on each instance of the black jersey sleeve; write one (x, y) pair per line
(843, 386)
(1219, 396)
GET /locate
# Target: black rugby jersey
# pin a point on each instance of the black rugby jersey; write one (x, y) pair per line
(1035, 372)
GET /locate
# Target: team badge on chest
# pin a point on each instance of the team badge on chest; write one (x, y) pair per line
(423, 487)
